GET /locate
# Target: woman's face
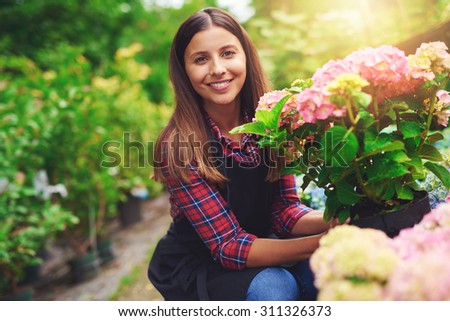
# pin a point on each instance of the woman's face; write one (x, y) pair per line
(215, 63)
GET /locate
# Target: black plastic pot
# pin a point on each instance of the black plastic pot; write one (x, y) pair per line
(393, 222)
(130, 211)
(32, 274)
(24, 294)
(105, 251)
(84, 268)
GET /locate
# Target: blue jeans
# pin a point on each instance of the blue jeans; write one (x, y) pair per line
(283, 284)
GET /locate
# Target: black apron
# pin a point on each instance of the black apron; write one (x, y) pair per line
(182, 267)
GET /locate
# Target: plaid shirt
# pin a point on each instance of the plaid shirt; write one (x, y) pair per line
(202, 204)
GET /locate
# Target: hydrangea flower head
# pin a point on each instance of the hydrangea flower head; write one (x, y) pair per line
(346, 290)
(288, 114)
(348, 252)
(330, 71)
(430, 59)
(426, 277)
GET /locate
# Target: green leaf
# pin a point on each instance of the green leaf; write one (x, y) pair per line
(384, 167)
(331, 205)
(381, 143)
(381, 190)
(361, 99)
(306, 181)
(410, 129)
(399, 156)
(403, 191)
(366, 120)
(271, 118)
(415, 165)
(429, 152)
(339, 147)
(412, 101)
(337, 172)
(344, 215)
(257, 128)
(389, 190)
(435, 137)
(441, 172)
(264, 116)
(346, 193)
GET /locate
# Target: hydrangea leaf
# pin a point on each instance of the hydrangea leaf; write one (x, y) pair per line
(441, 172)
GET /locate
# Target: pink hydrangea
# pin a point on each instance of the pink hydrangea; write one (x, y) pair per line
(442, 110)
(385, 68)
(431, 233)
(414, 241)
(430, 59)
(330, 71)
(439, 217)
(425, 277)
(289, 115)
(314, 104)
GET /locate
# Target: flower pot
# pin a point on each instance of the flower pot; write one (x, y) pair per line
(105, 251)
(23, 294)
(393, 222)
(32, 274)
(83, 268)
(130, 211)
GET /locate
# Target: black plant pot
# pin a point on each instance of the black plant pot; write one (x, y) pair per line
(130, 211)
(23, 294)
(393, 222)
(84, 268)
(32, 274)
(105, 251)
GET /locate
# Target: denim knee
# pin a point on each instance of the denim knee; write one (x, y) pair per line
(305, 279)
(273, 284)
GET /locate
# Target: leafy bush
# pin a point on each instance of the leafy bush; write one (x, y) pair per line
(57, 122)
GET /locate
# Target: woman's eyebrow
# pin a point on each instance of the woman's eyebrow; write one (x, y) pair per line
(203, 52)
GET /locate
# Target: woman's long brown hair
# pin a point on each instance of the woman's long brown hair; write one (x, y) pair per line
(186, 136)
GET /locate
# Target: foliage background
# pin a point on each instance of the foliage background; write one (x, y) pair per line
(77, 74)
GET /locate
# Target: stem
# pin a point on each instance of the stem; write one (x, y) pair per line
(430, 118)
(397, 120)
(362, 185)
(375, 108)
(350, 112)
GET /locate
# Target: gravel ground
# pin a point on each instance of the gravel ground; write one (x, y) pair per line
(132, 247)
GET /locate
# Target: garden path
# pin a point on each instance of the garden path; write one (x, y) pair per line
(132, 247)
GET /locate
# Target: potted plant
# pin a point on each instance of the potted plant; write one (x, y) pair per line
(26, 222)
(363, 129)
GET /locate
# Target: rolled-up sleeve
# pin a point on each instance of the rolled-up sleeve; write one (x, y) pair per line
(203, 205)
(286, 208)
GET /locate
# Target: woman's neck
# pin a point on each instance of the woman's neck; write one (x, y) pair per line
(226, 118)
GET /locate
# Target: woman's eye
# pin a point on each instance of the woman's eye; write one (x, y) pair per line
(199, 60)
(229, 53)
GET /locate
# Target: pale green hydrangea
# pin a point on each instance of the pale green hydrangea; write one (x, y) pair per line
(348, 252)
(345, 290)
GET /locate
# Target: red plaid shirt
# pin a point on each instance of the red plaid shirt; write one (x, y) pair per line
(202, 204)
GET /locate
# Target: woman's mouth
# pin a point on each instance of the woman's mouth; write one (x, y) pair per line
(220, 85)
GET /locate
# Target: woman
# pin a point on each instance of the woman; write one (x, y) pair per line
(226, 197)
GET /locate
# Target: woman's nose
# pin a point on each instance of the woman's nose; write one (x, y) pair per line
(216, 68)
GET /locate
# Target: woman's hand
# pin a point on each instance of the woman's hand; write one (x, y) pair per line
(335, 222)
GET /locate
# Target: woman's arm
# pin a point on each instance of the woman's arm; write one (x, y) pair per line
(311, 223)
(264, 252)
(290, 217)
(267, 252)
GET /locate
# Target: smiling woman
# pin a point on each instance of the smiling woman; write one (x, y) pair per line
(217, 72)
(226, 204)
